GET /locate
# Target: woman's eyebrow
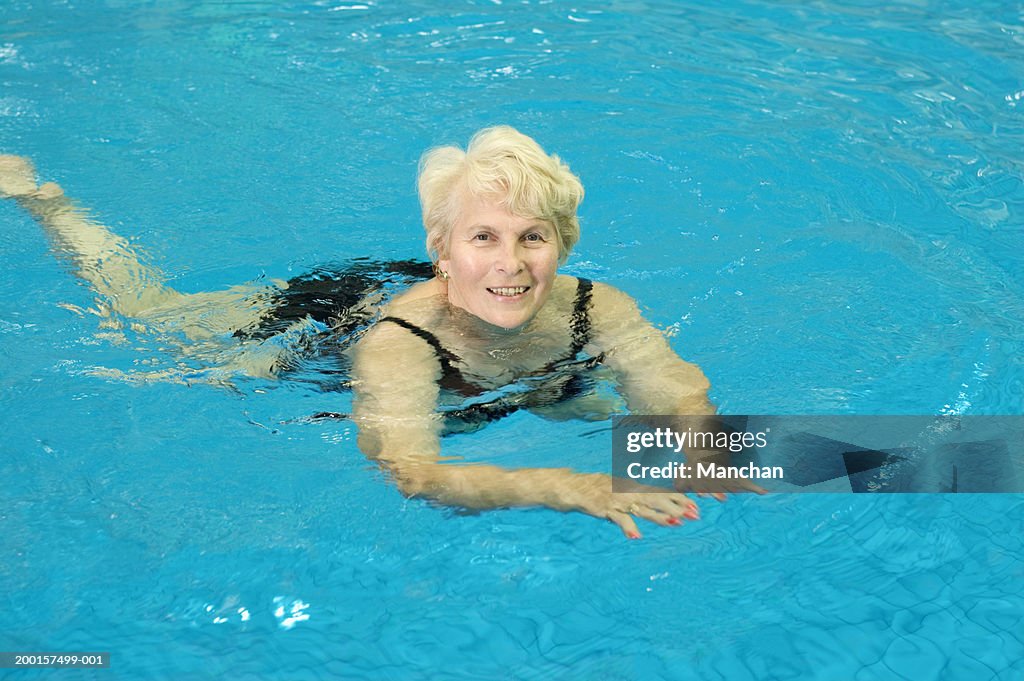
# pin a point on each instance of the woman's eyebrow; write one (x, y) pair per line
(544, 227)
(540, 224)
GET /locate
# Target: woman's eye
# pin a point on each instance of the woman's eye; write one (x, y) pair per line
(534, 237)
(482, 237)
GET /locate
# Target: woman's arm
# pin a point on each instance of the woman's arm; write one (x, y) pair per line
(396, 394)
(654, 380)
(652, 377)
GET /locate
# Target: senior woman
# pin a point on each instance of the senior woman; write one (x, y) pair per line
(500, 218)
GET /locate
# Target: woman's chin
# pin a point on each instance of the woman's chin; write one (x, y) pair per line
(506, 314)
(507, 323)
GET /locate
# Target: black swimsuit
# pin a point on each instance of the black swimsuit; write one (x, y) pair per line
(558, 381)
(451, 375)
(332, 298)
(332, 295)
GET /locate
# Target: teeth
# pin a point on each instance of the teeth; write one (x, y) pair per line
(512, 291)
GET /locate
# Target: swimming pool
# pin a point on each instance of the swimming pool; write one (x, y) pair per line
(823, 201)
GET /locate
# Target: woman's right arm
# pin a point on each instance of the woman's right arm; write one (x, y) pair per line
(396, 392)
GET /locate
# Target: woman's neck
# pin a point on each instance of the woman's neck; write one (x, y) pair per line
(468, 324)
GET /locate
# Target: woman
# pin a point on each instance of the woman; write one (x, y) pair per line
(500, 218)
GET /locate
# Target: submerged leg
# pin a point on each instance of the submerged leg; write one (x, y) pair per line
(100, 257)
(118, 273)
(138, 291)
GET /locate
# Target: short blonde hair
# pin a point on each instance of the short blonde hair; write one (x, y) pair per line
(504, 163)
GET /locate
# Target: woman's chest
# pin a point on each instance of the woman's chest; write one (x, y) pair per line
(495, 364)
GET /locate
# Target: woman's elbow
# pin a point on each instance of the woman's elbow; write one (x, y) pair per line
(412, 480)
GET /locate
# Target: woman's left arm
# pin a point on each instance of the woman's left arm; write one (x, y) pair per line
(653, 379)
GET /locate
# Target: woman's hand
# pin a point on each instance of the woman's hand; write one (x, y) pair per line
(708, 485)
(595, 497)
(717, 489)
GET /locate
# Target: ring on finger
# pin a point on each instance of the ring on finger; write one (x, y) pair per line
(633, 509)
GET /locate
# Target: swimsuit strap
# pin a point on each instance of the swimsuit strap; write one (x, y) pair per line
(580, 321)
(444, 356)
(451, 376)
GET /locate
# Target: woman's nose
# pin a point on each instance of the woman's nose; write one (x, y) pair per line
(510, 259)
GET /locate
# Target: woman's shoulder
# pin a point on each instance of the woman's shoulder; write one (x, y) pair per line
(421, 303)
(415, 308)
(418, 291)
(603, 297)
(612, 313)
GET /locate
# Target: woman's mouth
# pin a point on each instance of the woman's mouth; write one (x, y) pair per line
(508, 291)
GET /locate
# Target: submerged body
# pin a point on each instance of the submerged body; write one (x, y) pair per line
(495, 331)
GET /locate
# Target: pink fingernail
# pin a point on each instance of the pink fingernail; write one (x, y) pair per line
(692, 514)
(674, 521)
(633, 535)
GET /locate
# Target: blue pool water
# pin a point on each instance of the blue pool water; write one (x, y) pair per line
(822, 201)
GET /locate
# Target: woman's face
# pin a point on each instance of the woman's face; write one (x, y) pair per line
(500, 266)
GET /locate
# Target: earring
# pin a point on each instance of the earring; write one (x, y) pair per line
(444, 275)
(440, 274)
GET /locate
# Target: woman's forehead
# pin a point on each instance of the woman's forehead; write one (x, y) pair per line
(494, 205)
(498, 216)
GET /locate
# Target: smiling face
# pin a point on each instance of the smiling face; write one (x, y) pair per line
(500, 266)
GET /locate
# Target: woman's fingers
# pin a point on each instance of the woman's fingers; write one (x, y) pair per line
(751, 487)
(642, 501)
(662, 509)
(652, 514)
(672, 506)
(625, 523)
(720, 496)
(685, 504)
